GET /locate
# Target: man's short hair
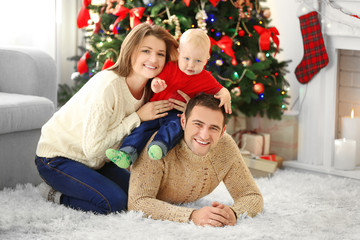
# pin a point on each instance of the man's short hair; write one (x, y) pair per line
(205, 100)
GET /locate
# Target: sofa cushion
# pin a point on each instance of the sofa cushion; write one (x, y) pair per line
(23, 112)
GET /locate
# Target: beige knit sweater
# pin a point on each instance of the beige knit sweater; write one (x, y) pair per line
(158, 187)
(96, 118)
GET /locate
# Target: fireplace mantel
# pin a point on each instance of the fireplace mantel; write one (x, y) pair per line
(317, 118)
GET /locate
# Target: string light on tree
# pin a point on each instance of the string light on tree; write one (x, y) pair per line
(236, 58)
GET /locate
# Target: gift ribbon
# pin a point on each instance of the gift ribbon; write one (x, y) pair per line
(265, 35)
(84, 15)
(225, 43)
(214, 2)
(240, 134)
(81, 65)
(135, 16)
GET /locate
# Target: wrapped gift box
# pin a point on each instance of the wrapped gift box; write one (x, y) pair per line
(284, 133)
(256, 143)
(260, 167)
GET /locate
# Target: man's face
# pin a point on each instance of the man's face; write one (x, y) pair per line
(203, 129)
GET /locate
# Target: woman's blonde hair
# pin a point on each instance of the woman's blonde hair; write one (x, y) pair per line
(132, 41)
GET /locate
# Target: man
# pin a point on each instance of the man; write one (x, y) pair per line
(193, 169)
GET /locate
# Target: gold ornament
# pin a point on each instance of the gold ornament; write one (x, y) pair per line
(174, 20)
(201, 17)
(266, 13)
(261, 56)
(246, 63)
(236, 91)
(219, 62)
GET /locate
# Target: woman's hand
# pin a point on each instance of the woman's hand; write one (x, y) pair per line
(180, 105)
(154, 110)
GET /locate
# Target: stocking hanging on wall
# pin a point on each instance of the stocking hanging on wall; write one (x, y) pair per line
(315, 56)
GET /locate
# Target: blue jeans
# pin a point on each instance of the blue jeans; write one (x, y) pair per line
(169, 134)
(100, 191)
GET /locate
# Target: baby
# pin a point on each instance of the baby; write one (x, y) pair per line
(188, 75)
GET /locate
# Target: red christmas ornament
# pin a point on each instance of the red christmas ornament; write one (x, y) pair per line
(81, 65)
(108, 63)
(97, 27)
(214, 2)
(241, 33)
(84, 15)
(258, 88)
(149, 21)
(187, 2)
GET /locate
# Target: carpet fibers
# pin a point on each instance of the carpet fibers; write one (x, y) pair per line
(297, 205)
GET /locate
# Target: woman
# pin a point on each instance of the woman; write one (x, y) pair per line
(70, 155)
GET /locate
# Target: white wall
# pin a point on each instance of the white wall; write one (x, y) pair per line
(49, 25)
(29, 23)
(284, 18)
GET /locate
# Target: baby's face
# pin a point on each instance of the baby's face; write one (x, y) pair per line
(192, 59)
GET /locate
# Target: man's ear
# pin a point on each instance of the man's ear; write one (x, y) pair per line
(183, 121)
(224, 128)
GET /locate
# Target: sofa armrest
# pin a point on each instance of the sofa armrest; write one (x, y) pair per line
(28, 71)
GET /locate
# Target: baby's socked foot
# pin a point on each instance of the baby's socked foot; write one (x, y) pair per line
(155, 152)
(120, 158)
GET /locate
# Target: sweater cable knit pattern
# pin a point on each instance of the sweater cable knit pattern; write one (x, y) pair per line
(96, 118)
(159, 187)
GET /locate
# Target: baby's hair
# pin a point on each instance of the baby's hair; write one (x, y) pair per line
(197, 37)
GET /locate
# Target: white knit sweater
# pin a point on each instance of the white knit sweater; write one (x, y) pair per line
(97, 117)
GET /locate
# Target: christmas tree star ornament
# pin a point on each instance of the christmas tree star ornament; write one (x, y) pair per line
(315, 56)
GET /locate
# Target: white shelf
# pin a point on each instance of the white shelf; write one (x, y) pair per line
(348, 173)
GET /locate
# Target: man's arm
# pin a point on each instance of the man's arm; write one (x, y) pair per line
(240, 183)
(145, 179)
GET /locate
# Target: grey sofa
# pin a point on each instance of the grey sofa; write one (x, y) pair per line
(28, 96)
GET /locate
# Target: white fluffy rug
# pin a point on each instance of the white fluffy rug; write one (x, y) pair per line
(297, 205)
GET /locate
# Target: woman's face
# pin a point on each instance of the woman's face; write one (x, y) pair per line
(149, 59)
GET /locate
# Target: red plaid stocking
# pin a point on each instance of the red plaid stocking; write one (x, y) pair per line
(315, 56)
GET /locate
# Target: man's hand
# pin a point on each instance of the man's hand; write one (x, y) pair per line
(232, 218)
(217, 215)
(154, 110)
(158, 85)
(179, 105)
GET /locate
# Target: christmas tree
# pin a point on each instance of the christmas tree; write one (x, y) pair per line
(243, 55)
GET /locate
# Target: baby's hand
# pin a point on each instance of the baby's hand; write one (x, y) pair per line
(225, 99)
(158, 85)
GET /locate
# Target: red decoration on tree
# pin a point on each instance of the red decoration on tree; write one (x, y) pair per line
(258, 88)
(84, 15)
(225, 43)
(265, 35)
(81, 65)
(187, 2)
(108, 63)
(149, 21)
(135, 16)
(241, 33)
(214, 2)
(97, 27)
